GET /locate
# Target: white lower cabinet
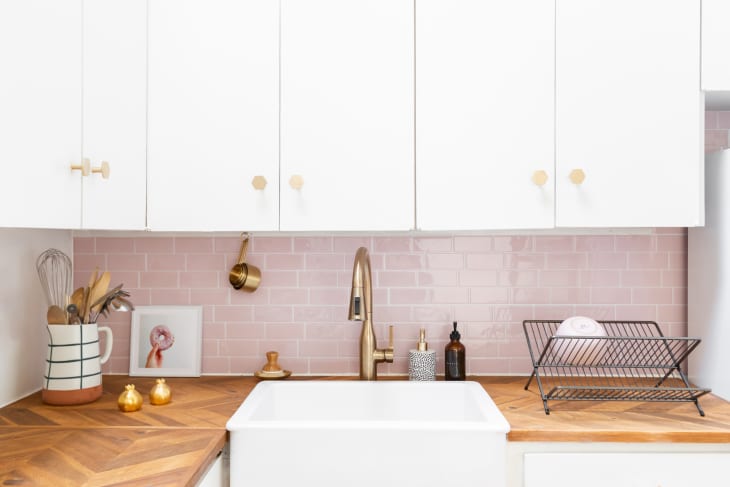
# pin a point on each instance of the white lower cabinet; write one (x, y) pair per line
(617, 464)
(218, 473)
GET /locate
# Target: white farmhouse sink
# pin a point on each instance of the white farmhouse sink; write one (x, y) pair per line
(352, 433)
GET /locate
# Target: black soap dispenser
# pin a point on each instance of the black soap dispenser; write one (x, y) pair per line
(455, 357)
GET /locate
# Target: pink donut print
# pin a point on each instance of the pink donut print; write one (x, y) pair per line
(162, 336)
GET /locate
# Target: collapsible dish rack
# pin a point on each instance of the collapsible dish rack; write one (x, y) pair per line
(634, 362)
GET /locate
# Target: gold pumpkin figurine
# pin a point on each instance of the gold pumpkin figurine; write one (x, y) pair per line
(160, 393)
(129, 400)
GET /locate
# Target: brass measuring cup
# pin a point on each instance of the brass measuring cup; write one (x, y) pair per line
(242, 275)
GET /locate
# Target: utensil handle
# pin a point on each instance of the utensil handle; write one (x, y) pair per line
(109, 343)
(242, 253)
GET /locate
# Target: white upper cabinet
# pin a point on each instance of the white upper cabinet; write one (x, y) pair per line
(347, 115)
(484, 114)
(715, 45)
(115, 114)
(40, 113)
(628, 113)
(213, 115)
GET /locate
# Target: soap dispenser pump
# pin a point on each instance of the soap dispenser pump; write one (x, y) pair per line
(422, 361)
(455, 355)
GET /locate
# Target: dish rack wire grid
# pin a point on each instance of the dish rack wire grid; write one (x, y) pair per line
(634, 362)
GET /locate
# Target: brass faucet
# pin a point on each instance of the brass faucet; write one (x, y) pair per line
(361, 299)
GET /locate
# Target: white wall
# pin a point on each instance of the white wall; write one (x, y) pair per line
(23, 309)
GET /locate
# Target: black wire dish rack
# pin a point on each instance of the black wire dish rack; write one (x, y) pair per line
(633, 362)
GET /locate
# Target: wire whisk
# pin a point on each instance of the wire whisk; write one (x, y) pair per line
(54, 272)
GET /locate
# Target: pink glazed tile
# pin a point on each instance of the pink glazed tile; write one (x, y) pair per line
(524, 261)
(672, 243)
(433, 244)
(205, 262)
(329, 296)
(232, 313)
(209, 296)
(555, 243)
(279, 278)
(450, 295)
(484, 261)
(279, 314)
(642, 243)
(568, 295)
(489, 295)
(636, 312)
(403, 262)
(229, 245)
(526, 295)
(170, 296)
(291, 296)
(513, 244)
(517, 278)
(84, 245)
(88, 262)
(204, 280)
(651, 295)
(723, 120)
(600, 278)
(154, 245)
(473, 244)
(595, 243)
(165, 262)
(679, 296)
(469, 278)
(313, 244)
(349, 245)
(672, 314)
(711, 119)
(438, 277)
(560, 260)
(284, 262)
(565, 277)
(190, 245)
(245, 330)
(678, 260)
(161, 279)
(321, 262)
(553, 312)
(473, 312)
(272, 244)
(126, 262)
(114, 245)
(392, 244)
(610, 295)
(285, 331)
(641, 278)
(395, 279)
(607, 260)
(648, 260)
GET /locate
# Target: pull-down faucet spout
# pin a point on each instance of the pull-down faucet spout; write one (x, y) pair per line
(361, 310)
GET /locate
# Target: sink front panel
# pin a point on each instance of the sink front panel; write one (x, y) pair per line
(334, 433)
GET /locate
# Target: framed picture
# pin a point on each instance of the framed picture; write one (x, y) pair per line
(166, 341)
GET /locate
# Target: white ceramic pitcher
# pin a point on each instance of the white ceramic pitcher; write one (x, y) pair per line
(73, 364)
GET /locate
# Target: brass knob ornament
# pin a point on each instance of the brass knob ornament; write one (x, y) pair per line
(104, 170)
(296, 181)
(130, 400)
(160, 393)
(539, 177)
(577, 176)
(258, 182)
(84, 167)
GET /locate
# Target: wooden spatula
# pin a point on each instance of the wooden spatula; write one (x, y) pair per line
(55, 315)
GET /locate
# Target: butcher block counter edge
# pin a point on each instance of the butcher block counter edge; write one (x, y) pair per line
(201, 407)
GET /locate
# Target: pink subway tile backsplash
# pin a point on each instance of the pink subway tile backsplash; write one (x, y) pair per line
(490, 284)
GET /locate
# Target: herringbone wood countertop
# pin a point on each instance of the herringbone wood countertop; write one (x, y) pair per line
(96, 444)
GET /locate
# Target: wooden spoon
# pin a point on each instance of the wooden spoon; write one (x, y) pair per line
(56, 315)
(77, 298)
(100, 288)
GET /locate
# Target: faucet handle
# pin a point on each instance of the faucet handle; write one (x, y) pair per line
(389, 352)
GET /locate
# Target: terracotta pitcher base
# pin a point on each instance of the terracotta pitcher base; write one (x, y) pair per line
(68, 398)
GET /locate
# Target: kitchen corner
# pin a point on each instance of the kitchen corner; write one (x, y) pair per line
(96, 444)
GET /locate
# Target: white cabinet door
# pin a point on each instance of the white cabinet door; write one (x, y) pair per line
(40, 113)
(715, 43)
(628, 113)
(213, 114)
(347, 114)
(115, 113)
(624, 469)
(484, 114)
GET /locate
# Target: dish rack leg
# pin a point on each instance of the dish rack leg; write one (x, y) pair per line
(527, 386)
(699, 408)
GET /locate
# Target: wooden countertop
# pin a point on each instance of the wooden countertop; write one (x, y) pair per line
(96, 444)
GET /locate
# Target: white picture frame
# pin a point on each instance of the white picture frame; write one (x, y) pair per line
(177, 332)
